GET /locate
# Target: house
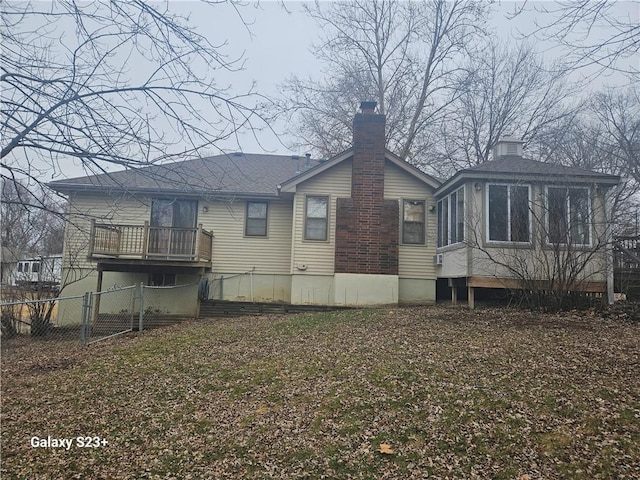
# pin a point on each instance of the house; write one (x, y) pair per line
(355, 229)
(362, 228)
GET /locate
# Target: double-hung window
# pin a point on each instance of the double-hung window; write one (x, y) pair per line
(316, 218)
(413, 222)
(568, 213)
(256, 219)
(508, 213)
(451, 218)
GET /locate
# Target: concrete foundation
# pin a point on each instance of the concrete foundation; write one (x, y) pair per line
(356, 289)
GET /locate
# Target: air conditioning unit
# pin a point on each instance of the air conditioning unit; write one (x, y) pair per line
(438, 258)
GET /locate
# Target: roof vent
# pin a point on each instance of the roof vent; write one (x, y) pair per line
(238, 154)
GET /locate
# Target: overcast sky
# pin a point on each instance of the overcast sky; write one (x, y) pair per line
(278, 43)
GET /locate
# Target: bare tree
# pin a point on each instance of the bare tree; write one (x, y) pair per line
(504, 91)
(404, 55)
(31, 219)
(600, 33)
(618, 113)
(110, 84)
(604, 136)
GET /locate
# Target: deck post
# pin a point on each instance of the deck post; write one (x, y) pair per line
(470, 296)
(92, 237)
(145, 240)
(96, 304)
(196, 249)
(454, 295)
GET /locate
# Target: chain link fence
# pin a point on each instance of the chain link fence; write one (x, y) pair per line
(29, 316)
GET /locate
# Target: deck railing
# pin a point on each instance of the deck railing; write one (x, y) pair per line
(146, 242)
(627, 252)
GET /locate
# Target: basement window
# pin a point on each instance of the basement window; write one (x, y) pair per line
(162, 279)
(316, 218)
(256, 219)
(413, 222)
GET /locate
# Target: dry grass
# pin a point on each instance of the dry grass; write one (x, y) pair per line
(454, 394)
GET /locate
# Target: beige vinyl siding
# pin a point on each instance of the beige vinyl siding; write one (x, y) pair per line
(83, 207)
(415, 261)
(233, 252)
(319, 256)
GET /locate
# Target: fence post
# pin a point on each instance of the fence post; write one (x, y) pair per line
(87, 311)
(133, 306)
(141, 318)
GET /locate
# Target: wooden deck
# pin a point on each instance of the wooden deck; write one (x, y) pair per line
(144, 242)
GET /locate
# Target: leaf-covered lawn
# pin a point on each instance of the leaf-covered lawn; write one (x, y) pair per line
(404, 393)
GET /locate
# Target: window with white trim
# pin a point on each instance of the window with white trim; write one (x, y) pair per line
(316, 218)
(451, 218)
(568, 214)
(413, 219)
(508, 213)
(256, 219)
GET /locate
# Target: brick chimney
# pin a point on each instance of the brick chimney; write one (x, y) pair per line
(367, 227)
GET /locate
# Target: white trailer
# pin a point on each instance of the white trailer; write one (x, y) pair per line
(43, 271)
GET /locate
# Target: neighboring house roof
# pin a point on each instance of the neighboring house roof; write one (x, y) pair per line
(229, 174)
(525, 169)
(291, 184)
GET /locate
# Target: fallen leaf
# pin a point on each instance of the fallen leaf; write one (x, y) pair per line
(386, 449)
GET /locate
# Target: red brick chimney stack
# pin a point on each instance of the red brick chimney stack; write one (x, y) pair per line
(366, 224)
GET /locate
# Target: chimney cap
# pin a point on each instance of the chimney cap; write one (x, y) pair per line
(368, 106)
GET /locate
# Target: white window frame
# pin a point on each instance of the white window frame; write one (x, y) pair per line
(424, 222)
(304, 226)
(447, 241)
(487, 217)
(568, 205)
(247, 218)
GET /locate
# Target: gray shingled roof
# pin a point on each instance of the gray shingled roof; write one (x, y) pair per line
(236, 173)
(515, 167)
(515, 164)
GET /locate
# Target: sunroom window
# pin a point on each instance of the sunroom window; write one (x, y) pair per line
(568, 216)
(508, 216)
(451, 218)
